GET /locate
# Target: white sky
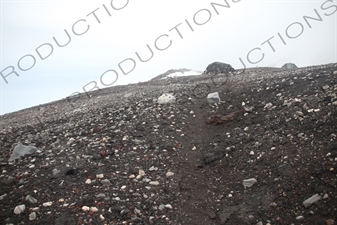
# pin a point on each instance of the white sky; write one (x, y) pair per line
(26, 25)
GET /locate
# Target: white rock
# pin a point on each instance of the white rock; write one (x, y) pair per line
(141, 173)
(166, 99)
(312, 200)
(169, 174)
(19, 209)
(99, 176)
(32, 216)
(101, 217)
(155, 183)
(268, 105)
(46, 204)
(169, 206)
(93, 209)
(85, 208)
(249, 182)
(194, 148)
(213, 98)
(88, 181)
(299, 217)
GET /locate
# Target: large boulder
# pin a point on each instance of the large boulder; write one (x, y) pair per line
(218, 68)
(22, 150)
(289, 66)
(213, 98)
(166, 99)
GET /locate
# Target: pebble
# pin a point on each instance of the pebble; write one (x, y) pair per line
(155, 183)
(141, 173)
(311, 200)
(249, 182)
(101, 217)
(32, 216)
(132, 176)
(19, 209)
(88, 181)
(169, 206)
(194, 148)
(169, 174)
(99, 176)
(105, 182)
(3, 196)
(161, 207)
(31, 199)
(259, 223)
(85, 208)
(46, 204)
(299, 217)
(93, 209)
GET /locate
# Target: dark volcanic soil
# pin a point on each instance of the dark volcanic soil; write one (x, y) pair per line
(119, 157)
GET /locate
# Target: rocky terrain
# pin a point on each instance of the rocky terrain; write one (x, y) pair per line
(266, 154)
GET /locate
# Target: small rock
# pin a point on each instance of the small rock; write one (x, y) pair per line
(101, 217)
(99, 176)
(93, 209)
(161, 207)
(100, 195)
(19, 209)
(154, 183)
(311, 200)
(169, 206)
(268, 105)
(32, 216)
(259, 223)
(47, 204)
(169, 174)
(300, 218)
(249, 182)
(141, 173)
(88, 181)
(105, 182)
(335, 72)
(85, 208)
(31, 199)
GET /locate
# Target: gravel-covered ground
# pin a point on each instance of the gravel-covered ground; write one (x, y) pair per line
(119, 157)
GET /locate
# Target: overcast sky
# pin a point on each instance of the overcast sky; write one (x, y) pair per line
(105, 36)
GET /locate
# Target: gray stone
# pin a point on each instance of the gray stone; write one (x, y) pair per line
(312, 200)
(289, 66)
(31, 199)
(335, 72)
(213, 98)
(22, 150)
(105, 182)
(161, 207)
(19, 209)
(32, 216)
(249, 182)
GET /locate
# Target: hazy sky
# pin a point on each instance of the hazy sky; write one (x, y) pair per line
(105, 36)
